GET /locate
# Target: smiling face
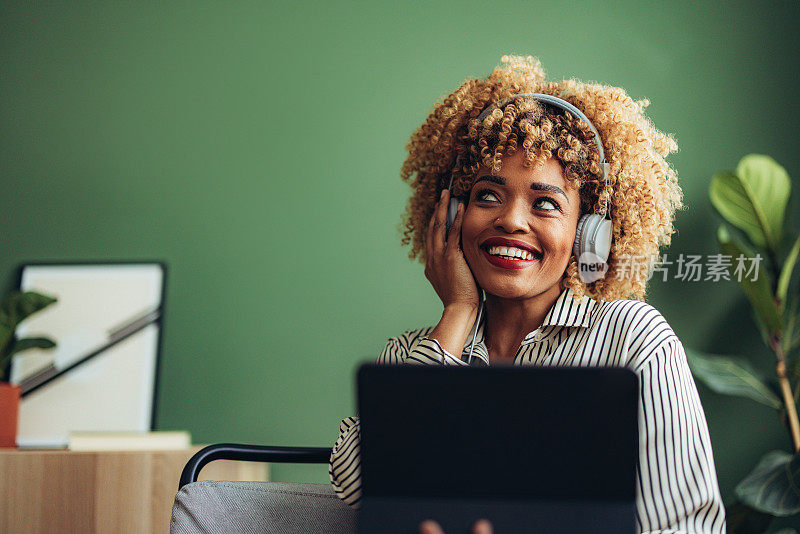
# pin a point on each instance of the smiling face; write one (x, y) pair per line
(519, 227)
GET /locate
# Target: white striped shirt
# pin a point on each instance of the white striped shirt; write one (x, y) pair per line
(677, 489)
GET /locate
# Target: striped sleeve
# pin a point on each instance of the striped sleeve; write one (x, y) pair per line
(677, 491)
(345, 464)
(430, 352)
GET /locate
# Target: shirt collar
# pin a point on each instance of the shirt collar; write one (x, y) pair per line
(566, 311)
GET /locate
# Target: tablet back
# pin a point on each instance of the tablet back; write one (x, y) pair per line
(533, 449)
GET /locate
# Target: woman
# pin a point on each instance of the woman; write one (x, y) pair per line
(526, 172)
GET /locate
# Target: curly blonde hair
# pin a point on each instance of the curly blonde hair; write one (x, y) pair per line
(642, 192)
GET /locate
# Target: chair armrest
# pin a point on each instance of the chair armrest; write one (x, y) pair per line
(251, 453)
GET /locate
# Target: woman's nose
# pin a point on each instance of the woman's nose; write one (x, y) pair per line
(513, 218)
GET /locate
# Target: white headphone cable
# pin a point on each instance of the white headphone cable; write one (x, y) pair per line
(477, 322)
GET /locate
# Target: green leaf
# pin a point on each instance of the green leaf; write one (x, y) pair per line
(32, 343)
(786, 271)
(18, 306)
(758, 290)
(771, 187)
(731, 376)
(753, 199)
(14, 308)
(772, 487)
(730, 198)
(785, 531)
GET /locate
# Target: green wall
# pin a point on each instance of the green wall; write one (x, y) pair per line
(256, 147)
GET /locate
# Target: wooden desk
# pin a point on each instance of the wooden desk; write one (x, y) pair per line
(99, 492)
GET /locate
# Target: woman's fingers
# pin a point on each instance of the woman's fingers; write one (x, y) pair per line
(454, 237)
(432, 228)
(429, 234)
(445, 266)
(430, 527)
(482, 526)
(439, 225)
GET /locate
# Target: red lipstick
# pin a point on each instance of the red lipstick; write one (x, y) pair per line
(503, 242)
(506, 263)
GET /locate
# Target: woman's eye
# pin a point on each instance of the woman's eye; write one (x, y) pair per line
(545, 203)
(486, 195)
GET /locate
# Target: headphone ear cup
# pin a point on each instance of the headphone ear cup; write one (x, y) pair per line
(593, 235)
(601, 241)
(577, 249)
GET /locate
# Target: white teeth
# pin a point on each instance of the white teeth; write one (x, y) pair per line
(510, 252)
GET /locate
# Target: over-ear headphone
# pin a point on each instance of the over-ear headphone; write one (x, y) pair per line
(592, 244)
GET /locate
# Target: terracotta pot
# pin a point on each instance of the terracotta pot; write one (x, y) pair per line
(9, 411)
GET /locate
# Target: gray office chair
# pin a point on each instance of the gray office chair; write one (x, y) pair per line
(216, 507)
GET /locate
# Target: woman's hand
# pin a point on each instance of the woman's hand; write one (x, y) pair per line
(448, 272)
(429, 526)
(446, 268)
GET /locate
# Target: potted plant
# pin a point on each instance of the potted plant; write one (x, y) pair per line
(14, 308)
(753, 200)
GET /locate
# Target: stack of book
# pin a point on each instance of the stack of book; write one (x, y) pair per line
(129, 441)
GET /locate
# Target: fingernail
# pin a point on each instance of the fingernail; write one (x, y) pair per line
(442, 195)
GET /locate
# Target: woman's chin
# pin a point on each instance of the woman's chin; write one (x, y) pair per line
(507, 292)
(518, 291)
